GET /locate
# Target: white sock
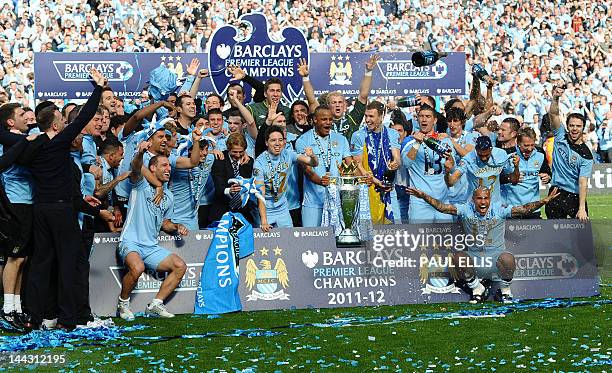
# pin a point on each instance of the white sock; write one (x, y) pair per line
(124, 300)
(479, 290)
(9, 303)
(17, 303)
(476, 286)
(505, 290)
(157, 301)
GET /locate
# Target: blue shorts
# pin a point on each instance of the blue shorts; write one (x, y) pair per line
(419, 213)
(312, 216)
(280, 218)
(481, 260)
(150, 255)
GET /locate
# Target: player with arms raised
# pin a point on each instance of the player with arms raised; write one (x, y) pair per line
(482, 218)
(572, 164)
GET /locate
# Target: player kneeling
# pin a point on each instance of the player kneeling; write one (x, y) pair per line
(138, 245)
(488, 256)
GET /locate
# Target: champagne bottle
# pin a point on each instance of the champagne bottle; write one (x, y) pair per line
(436, 145)
(388, 178)
(480, 72)
(426, 58)
(407, 101)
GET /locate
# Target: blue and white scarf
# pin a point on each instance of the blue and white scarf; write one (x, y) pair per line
(248, 189)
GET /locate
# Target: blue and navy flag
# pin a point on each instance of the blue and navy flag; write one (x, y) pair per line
(217, 291)
(376, 154)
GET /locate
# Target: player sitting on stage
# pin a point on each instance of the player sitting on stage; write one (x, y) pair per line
(486, 222)
(138, 245)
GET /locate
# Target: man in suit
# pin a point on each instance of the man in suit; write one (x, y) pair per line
(229, 167)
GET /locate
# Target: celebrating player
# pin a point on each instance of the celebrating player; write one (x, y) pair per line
(425, 167)
(271, 170)
(376, 151)
(463, 143)
(138, 246)
(533, 168)
(331, 148)
(572, 164)
(345, 123)
(484, 167)
(484, 217)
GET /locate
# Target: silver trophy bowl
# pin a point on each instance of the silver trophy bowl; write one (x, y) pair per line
(349, 203)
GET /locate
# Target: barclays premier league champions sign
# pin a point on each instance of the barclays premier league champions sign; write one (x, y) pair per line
(258, 54)
(262, 56)
(303, 268)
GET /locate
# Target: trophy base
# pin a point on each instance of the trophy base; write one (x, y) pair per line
(348, 238)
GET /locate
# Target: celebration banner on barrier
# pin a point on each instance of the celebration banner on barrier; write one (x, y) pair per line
(302, 268)
(263, 56)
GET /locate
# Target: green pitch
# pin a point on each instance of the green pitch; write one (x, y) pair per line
(378, 338)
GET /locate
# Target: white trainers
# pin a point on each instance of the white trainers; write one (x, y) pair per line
(158, 309)
(97, 323)
(123, 310)
(48, 324)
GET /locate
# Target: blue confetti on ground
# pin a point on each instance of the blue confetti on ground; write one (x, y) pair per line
(80, 337)
(61, 338)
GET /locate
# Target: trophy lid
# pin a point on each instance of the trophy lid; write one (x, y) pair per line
(347, 170)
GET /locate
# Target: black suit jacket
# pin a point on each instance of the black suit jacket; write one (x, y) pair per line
(221, 172)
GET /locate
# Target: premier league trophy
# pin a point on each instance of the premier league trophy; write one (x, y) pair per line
(349, 203)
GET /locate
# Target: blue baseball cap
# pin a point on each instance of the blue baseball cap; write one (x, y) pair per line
(483, 143)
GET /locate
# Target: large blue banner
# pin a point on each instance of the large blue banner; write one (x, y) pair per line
(64, 75)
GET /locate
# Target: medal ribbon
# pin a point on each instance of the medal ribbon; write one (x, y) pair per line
(327, 158)
(273, 175)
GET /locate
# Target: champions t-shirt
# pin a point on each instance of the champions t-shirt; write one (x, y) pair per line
(491, 226)
(569, 162)
(486, 174)
(528, 188)
(426, 171)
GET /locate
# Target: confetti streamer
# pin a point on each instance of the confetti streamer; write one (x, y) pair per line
(44, 339)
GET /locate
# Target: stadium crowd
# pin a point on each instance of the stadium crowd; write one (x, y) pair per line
(171, 163)
(525, 44)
